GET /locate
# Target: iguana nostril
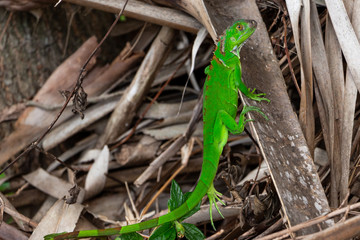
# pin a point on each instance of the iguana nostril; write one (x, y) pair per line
(253, 23)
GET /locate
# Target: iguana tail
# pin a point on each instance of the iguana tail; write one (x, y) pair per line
(207, 175)
(206, 178)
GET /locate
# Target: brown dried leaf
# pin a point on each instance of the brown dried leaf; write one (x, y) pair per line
(60, 218)
(146, 149)
(49, 184)
(166, 110)
(95, 179)
(172, 131)
(12, 112)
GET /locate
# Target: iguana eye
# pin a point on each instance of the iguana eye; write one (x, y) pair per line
(240, 27)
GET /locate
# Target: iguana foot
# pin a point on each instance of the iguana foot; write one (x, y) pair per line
(256, 96)
(247, 109)
(214, 195)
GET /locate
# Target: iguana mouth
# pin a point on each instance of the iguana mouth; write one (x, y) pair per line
(243, 43)
(236, 49)
(240, 46)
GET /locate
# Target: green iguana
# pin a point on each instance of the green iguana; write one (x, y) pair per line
(219, 111)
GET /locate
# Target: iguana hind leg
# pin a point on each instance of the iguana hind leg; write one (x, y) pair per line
(228, 123)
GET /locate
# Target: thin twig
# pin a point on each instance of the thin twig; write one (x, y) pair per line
(131, 200)
(136, 42)
(311, 222)
(288, 57)
(54, 158)
(75, 90)
(96, 99)
(256, 176)
(72, 15)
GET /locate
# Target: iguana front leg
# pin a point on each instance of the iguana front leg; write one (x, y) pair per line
(236, 75)
(225, 123)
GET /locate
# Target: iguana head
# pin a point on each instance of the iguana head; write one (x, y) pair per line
(238, 33)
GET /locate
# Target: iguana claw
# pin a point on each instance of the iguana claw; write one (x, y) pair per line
(247, 109)
(214, 195)
(256, 96)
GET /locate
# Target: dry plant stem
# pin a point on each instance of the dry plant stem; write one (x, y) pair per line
(270, 229)
(336, 71)
(125, 110)
(217, 235)
(255, 179)
(247, 234)
(195, 8)
(350, 95)
(354, 172)
(275, 20)
(96, 99)
(73, 10)
(19, 216)
(311, 222)
(343, 230)
(288, 57)
(74, 90)
(2, 207)
(355, 142)
(187, 149)
(297, 11)
(20, 219)
(146, 12)
(131, 200)
(51, 156)
(148, 106)
(174, 147)
(160, 160)
(335, 61)
(71, 152)
(349, 43)
(20, 190)
(136, 42)
(306, 112)
(325, 100)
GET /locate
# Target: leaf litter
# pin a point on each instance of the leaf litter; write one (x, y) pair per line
(98, 178)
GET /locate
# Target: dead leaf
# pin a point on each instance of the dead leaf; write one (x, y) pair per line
(146, 149)
(12, 112)
(171, 131)
(164, 110)
(49, 184)
(95, 179)
(60, 218)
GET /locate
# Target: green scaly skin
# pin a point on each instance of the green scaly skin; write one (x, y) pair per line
(219, 111)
